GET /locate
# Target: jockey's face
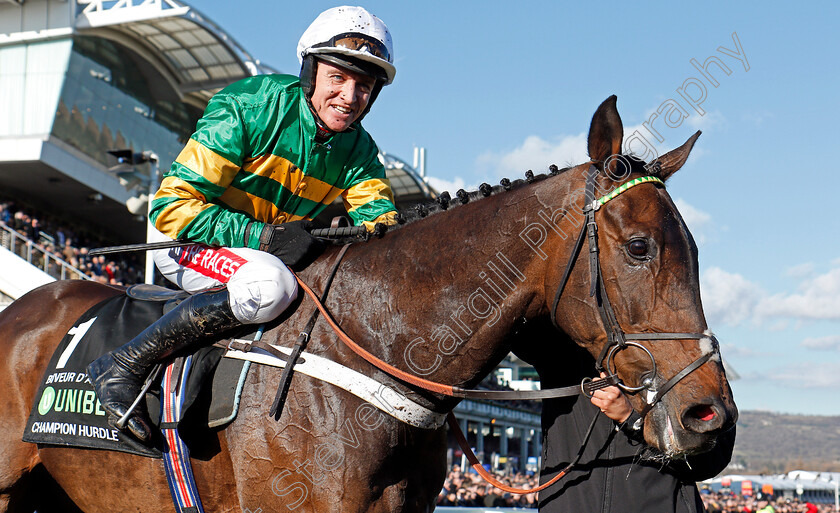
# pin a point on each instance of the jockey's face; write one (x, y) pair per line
(340, 95)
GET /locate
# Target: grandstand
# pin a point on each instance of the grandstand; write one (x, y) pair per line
(80, 78)
(816, 487)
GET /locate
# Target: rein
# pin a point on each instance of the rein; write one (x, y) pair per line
(617, 340)
(586, 388)
(479, 468)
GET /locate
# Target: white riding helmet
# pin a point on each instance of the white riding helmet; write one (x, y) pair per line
(350, 37)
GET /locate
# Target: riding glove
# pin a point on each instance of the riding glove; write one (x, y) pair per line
(292, 243)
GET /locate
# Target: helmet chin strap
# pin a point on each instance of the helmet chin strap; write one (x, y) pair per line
(322, 132)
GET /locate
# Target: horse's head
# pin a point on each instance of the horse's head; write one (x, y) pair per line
(633, 296)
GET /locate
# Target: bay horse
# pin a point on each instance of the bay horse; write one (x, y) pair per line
(443, 297)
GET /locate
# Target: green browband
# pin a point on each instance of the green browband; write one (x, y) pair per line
(598, 203)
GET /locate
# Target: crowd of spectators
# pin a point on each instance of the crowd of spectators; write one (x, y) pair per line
(61, 241)
(729, 502)
(460, 488)
(470, 490)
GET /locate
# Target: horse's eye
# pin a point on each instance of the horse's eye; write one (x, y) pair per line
(638, 248)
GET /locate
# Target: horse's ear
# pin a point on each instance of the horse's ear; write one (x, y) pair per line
(605, 132)
(668, 164)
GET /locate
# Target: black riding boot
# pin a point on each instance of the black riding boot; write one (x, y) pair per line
(118, 376)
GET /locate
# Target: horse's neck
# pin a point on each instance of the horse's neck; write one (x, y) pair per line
(439, 297)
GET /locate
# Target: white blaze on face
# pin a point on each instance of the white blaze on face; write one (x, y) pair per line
(670, 439)
(707, 345)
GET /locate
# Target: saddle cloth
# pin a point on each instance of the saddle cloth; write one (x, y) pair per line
(66, 411)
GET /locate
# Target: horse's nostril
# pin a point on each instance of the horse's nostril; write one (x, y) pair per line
(703, 412)
(708, 416)
(702, 418)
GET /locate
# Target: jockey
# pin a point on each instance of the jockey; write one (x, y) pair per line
(269, 154)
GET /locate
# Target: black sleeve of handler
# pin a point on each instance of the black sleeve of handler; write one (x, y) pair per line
(617, 472)
(292, 243)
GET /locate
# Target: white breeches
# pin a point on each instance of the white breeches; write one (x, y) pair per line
(259, 284)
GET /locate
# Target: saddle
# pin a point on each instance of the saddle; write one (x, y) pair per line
(67, 412)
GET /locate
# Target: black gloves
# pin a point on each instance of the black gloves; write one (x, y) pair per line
(292, 243)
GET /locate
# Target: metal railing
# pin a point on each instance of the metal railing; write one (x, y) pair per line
(38, 256)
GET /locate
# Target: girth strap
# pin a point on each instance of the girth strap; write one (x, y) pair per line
(247, 345)
(301, 342)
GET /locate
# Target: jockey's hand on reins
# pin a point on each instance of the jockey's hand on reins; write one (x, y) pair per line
(291, 242)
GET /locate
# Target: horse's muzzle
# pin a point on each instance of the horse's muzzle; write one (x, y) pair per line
(690, 429)
(708, 416)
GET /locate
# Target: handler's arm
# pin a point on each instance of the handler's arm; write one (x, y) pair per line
(614, 404)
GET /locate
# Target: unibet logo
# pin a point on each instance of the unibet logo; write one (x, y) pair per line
(47, 399)
(70, 400)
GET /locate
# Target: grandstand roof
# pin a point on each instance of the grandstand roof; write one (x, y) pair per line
(406, 183)
(197, 55)
(808, 480)
(169, 41)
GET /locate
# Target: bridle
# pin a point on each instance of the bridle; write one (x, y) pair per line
(617, 339)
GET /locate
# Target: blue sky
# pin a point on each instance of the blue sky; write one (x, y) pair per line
(494, 88)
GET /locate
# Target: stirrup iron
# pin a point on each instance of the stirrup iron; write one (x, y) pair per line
(123, 421)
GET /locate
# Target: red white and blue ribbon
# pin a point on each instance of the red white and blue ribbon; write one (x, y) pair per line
(176, 456)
